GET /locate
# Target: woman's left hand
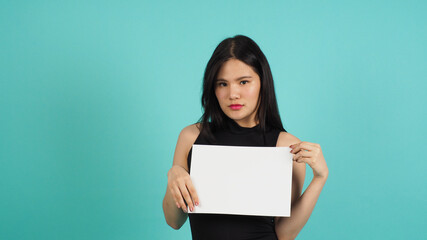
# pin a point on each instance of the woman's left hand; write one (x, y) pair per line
(311, 153)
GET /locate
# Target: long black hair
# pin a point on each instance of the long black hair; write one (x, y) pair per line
(246, 50)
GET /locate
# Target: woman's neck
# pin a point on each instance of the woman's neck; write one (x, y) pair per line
(246, 124)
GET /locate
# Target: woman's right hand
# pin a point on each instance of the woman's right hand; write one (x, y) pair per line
(181, 187)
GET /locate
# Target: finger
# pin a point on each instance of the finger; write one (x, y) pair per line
(303, 154)
(179, 199)
(303, 160)
(313, 145)
(190, 200)
(186, 196)
(175, 198)
(193, 193)
(302, 146)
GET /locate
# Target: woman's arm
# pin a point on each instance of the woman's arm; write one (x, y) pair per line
(302, 207)
(180, 189)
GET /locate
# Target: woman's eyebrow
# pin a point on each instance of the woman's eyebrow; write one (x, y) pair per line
(220, 79)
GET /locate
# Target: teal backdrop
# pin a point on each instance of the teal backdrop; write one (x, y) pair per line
(93, 95)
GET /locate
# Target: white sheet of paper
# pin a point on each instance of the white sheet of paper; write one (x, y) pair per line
(242, 180)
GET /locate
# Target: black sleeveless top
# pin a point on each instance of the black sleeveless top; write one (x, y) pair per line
(227, 226)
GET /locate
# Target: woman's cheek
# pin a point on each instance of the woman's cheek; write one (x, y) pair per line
(254, 92)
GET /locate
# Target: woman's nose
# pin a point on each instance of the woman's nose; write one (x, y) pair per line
(234, 93)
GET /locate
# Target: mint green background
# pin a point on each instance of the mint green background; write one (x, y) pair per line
(93, 95)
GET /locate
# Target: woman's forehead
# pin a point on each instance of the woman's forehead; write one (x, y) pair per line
(234, 69)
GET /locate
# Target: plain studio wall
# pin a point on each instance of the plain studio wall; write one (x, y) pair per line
(93, 95)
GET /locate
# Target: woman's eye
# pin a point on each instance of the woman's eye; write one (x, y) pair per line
(222, 84)
(244, 82)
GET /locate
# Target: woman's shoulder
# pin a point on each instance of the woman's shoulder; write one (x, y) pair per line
(190, 132)
(187, 137)
(286, 139)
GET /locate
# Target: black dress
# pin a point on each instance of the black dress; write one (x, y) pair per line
(227, 226)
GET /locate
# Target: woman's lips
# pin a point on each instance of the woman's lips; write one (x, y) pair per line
(235, 106)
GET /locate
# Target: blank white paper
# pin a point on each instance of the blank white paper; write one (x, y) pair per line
(242, 180)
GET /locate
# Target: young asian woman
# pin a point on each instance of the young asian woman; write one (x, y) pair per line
(240, 109)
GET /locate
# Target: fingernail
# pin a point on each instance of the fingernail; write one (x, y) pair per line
(197, 204)
(191, 209)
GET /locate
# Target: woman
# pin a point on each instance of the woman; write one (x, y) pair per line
(240, 109)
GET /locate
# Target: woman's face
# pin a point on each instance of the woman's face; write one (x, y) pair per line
(237, 90)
